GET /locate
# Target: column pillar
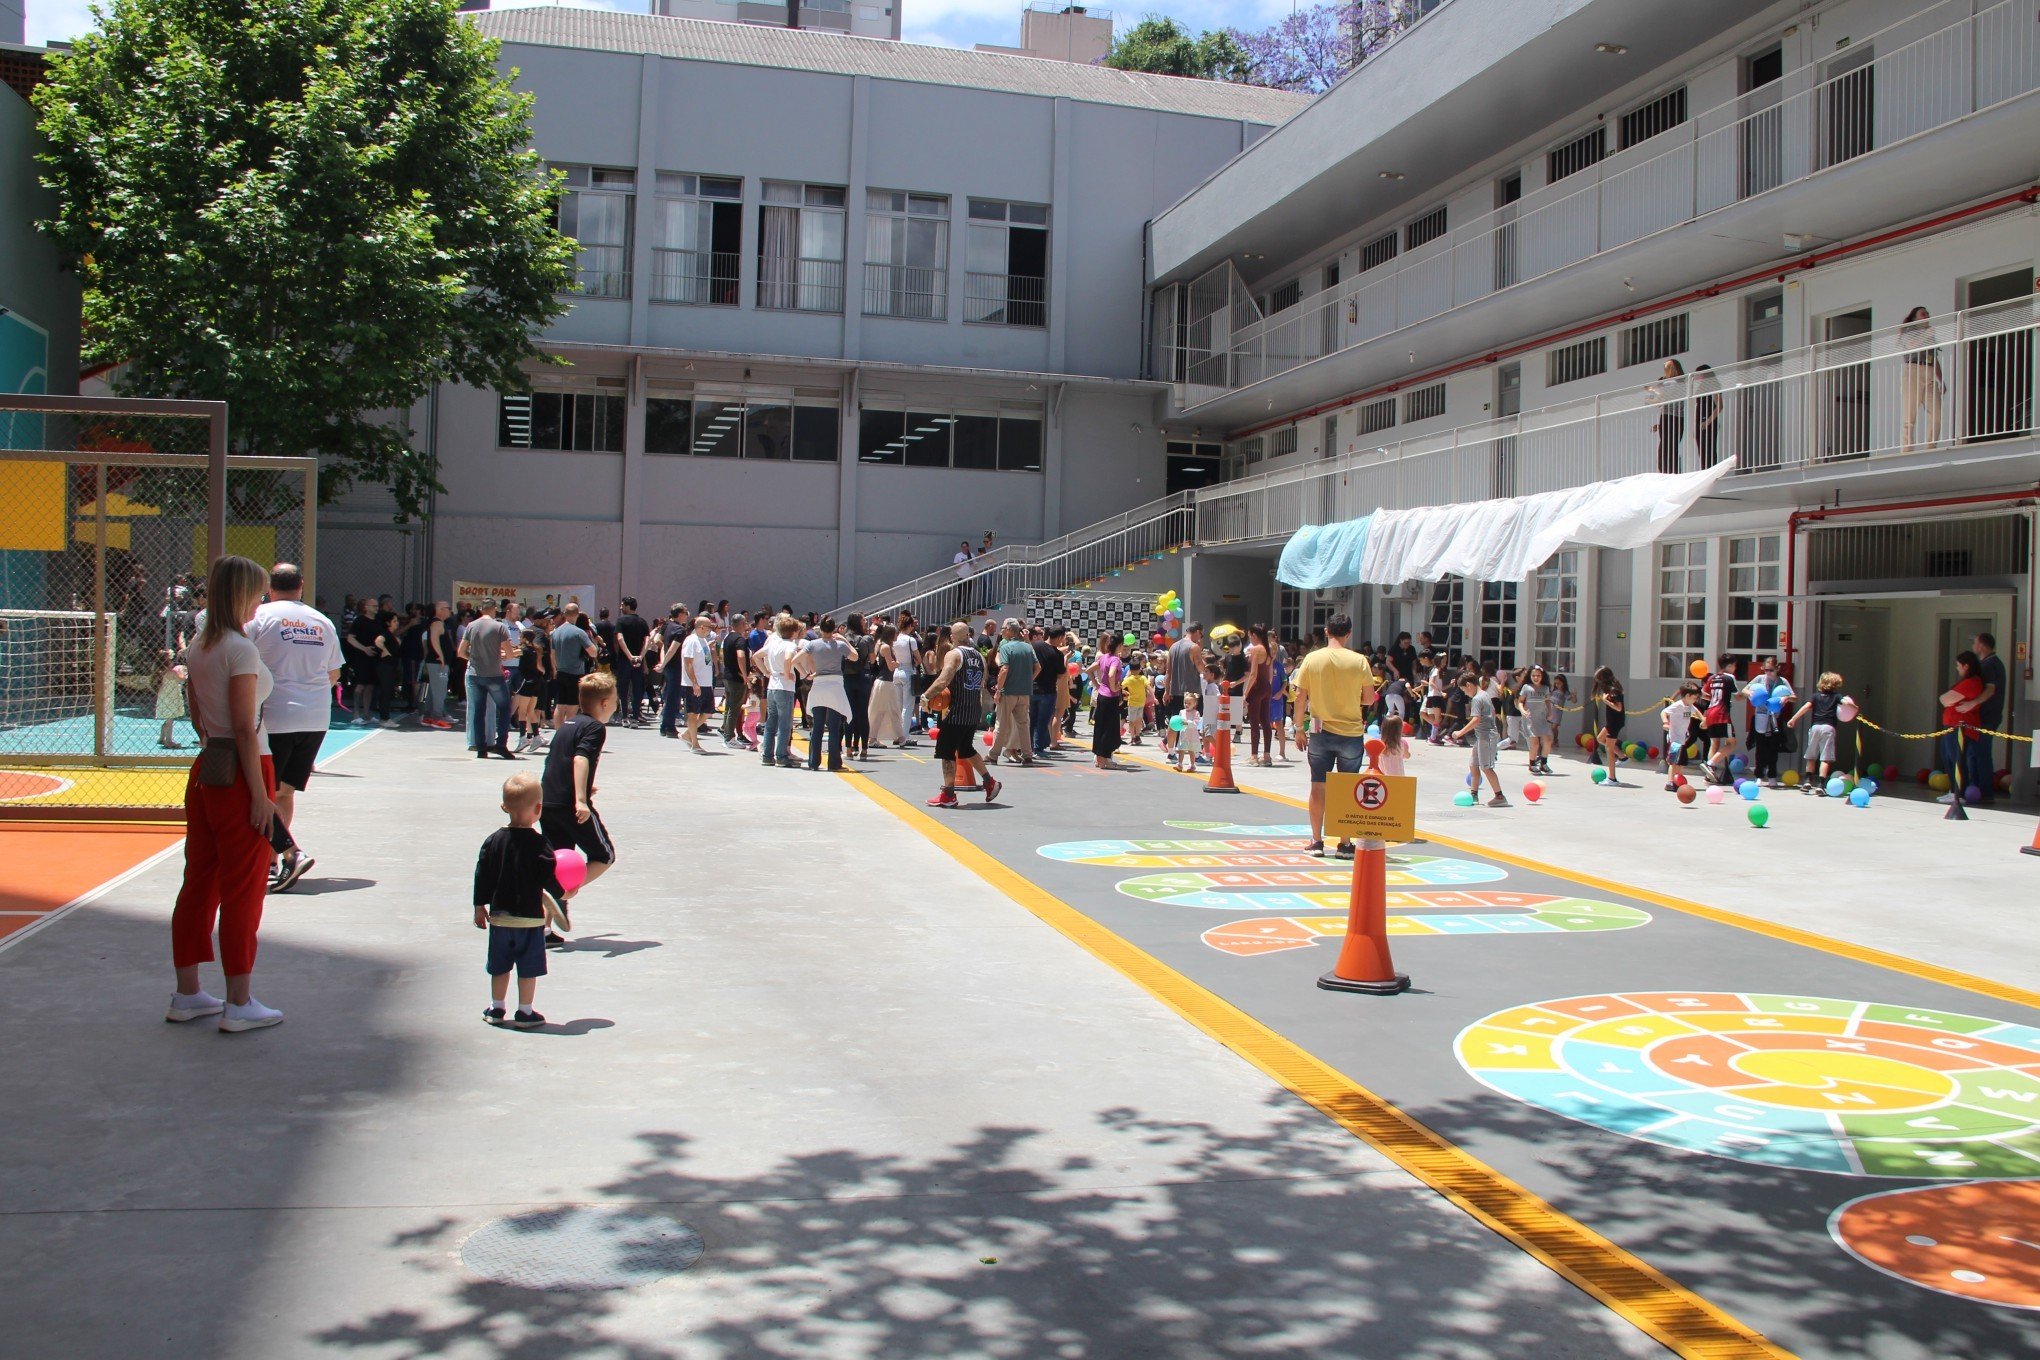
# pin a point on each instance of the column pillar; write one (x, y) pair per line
(846, 492)
(629, 515)
(642, 201)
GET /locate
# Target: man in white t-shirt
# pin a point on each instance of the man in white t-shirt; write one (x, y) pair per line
(301, 647)
(962, 562)
(697, 678)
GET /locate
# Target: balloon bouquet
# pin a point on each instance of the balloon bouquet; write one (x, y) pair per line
(1169, 608)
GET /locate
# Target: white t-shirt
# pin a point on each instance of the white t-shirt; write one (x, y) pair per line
(302, 650)
(962, 561)
(903, 647)
(208, 671)
(697, 661)
(779, 655)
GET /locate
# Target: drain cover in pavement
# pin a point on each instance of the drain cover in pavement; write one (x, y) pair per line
(581, 1247)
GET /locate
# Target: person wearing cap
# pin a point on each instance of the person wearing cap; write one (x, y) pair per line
(1016, 663)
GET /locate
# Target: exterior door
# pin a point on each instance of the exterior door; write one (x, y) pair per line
(1759, 406)
(1508, 405)
(1856, 644)
(1508, 192)
(1996, 380)
(1842, 386)
(1848, 108)
(1760, 143)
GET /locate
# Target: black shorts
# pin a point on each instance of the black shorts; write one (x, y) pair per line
(1717, 732)
(703, 702)
(293, 754)
(519, 947)
(591, 838)
(567, 690)
(955, 741)
(530, 684)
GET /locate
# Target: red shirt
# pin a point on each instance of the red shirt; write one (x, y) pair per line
(1969, 688)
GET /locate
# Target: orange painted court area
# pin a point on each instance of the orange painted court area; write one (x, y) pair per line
(52, 864)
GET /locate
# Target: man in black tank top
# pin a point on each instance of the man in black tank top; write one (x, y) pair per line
(958, 696)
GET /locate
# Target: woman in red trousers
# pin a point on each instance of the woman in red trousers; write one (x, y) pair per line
(226, 818)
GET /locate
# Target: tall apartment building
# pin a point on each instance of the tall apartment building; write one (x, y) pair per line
(1527, 248)
(842, 304)
(1061, 32)
(861, 18)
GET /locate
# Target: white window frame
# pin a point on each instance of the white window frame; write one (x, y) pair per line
(601, 264)
(1681, 582)
(1555, 614)
(811, 278)
(1754, 592)
(903, 223)
(685, 267)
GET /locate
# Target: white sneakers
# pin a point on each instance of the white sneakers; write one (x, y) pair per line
(194, 1007)
(254, 1015)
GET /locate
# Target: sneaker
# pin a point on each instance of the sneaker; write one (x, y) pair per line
(789, 764)
(1948, 797)
(1498, 801)
(194, 1007)
(234, 1019)
(290, 869)
(553, 939)
(505, 752)
(943, 799)
(493, 1015)
(555, 910)
(1314, 848)
(992, 787)
(526, 1020)
(1345, 850)
(1670, 787)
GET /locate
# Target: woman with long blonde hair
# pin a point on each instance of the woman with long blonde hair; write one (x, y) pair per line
(229, 806)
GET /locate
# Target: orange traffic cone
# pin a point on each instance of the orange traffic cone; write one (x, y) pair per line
(1221, 780)
(1364, 964)
(2034, 848)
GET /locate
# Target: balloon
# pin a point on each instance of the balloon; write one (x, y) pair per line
(1698, 670)
(1972, 794)
(1790, 779)
(1928, 777)
(1848, 711)
(1176, 724)
(1463, 798)
(1470, 780)
(1736, 765)
(1751, 790)
(1717, 794)
(1586, 742)
(1374, 729)
(1860, 798)
(1867, 787)
(1533, 791)
(1776, 701)
(572, 867)
(1679, 781)
(1375, 746)
(1600, 775)
(1837, 786)
(1131, 640)
(1759, 814)
(1686, 794)
(1075, 668)
(1654, 753)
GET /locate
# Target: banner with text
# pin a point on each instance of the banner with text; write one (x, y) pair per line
(472, 593)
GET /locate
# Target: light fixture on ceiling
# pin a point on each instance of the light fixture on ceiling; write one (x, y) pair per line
(1629, 284)
(1251, 255)
(1392, 174)
(1611, 49)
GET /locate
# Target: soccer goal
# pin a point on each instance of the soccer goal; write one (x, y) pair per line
(56, 681)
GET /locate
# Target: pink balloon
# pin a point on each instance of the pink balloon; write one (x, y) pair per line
(1848, 710)
(572, 867)
(1716, 794)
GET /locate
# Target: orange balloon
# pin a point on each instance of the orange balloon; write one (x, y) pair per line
(1698, 670)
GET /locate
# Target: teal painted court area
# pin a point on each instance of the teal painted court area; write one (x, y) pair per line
(129, 734)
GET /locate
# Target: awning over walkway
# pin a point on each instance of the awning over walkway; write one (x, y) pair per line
(1498, 540)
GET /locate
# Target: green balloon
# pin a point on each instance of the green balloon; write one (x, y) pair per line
(1131, 640)
(1176, 724)
(1462, 799)
(1759, 814)
(1600, 774)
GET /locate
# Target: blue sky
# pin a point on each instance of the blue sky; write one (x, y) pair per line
(958, 23)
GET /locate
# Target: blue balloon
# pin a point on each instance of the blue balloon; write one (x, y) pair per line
(1866, 787)
(1837, 786)
(1736, 765)
(1374, 729)
(1860, 798)
(1776, 703)
(1750, 789)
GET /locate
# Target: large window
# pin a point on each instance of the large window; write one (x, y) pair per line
(1682, 606)
(697, 225)
(575, 422)
(1448, 616)
(1497, 623)
(1555, 627)
(595, 210)
(779, 426)
(1756, 603)
(1007, 282)
(800, 248)
(995, 437)
(1192, 465)
(906, 255)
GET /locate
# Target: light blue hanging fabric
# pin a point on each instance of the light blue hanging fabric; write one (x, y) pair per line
(1321, 556)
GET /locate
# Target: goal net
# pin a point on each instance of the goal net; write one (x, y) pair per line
(56, 681)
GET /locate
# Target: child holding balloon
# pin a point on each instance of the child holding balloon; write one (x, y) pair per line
(569, 819)
(1825, 707)
(517, 894)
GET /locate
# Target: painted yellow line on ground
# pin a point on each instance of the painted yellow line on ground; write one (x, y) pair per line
(1859, 953)
(1686, 1323)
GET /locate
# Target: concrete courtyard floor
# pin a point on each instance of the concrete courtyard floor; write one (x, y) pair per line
(905, 1116)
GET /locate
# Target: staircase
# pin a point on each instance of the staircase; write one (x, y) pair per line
(1092, 556)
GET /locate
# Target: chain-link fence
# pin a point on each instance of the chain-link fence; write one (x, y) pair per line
(110, 512)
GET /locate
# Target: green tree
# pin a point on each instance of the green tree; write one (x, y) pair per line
(1161, 46)
(310, 209)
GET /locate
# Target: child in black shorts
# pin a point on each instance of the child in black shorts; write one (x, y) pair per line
(569, 819)
(517, 893)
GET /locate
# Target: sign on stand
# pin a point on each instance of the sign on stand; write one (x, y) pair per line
(1371, 806)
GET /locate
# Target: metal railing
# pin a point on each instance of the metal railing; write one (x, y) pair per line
(1929, 70)
(906, 290)
(800, 285)
(1006, 573)
(1005, 299)
(602, 271)
(699, 278)
(1957, 379)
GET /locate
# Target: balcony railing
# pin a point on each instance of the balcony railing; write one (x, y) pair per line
(906, 290)
(1959, 379)
(800, 285)
(602, 271)
(1007, 573)
(699, 278)
(1005, 299)
(1925, 72)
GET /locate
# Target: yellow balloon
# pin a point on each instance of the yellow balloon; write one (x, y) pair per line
(1790, 779)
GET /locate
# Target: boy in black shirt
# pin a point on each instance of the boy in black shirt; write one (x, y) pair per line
(569, 819)
(517, 891)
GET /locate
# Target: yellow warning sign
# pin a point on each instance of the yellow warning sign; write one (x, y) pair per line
(1369, 806)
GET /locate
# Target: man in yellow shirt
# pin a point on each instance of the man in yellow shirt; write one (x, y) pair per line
(1335, 685)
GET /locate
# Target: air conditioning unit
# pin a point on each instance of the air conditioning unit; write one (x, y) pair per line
(1405, 592)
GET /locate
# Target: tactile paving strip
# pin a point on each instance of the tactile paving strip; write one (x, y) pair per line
(581, 1247)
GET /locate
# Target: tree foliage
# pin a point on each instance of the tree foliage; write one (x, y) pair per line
(310, 209)
(1313, 49)
(1163, 47)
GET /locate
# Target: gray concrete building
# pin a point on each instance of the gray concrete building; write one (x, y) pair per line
(38, 298)
(844, 303)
